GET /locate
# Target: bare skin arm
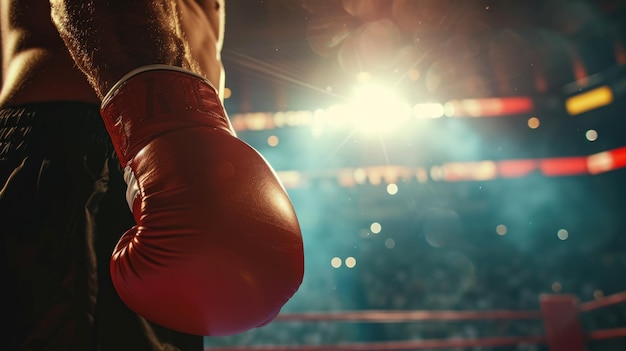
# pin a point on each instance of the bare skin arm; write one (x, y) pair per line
(109, 38)
(202, 22)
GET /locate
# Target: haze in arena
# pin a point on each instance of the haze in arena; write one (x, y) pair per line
(457, 167)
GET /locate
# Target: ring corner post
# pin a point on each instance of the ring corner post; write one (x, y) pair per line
(561, 319)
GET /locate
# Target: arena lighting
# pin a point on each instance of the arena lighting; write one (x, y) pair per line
(428, 110)
(376, 108)
(485, 170)
(590, 100)
(489, 107)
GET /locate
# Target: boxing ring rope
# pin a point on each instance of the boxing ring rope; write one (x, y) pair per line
(560, 314)
(602, 303)
(397, 345)
(406, 316)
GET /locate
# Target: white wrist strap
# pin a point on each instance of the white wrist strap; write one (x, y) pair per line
(132, 189)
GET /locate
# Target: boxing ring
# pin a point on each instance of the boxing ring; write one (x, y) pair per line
(560, 315)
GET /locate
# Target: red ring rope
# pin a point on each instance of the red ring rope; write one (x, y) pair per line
(603, 302)
(397, 345)
(410, 316)
(406, 316)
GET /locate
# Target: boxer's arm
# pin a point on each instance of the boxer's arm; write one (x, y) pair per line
(109, 38)
(202, 23)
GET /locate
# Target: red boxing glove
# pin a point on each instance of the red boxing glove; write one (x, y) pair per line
(217, 248)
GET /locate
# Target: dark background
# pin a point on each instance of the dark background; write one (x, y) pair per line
(438, 248)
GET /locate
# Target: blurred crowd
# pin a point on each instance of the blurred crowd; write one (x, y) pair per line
(457, 259)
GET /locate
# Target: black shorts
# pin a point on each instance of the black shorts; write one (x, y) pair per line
(62, 210)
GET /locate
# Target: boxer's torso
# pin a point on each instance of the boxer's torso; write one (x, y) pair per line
(36, 65)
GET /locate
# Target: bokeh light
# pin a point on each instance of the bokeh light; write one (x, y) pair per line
(598, 294)
(428, 110)
(376, 228)
(413, 74)
(227, 93)
(350, 262)
(392, 189)
(591, 135)
(360, 176)
(442, 227)
(390, 243)
(533, 123)
(272, 140)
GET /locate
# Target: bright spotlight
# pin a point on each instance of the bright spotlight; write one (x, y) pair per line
(428, 110)
(377, 108)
